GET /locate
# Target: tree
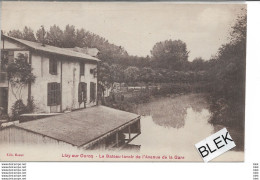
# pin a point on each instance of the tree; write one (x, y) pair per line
(169, 52)
(228, 77)
(54, 36)
(80, 37)
(147, 75)
(16, 34)
(28, 34)
(131, 74)
(198, 64)
(238, 32)
(69, 37)
(19, 74)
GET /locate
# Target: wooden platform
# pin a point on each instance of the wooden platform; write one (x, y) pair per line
(82, 127)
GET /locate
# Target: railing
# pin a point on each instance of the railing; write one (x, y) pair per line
(3, 77)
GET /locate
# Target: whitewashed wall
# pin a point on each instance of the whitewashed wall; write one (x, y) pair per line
(70, 81)
(89, 78)
(40, 65)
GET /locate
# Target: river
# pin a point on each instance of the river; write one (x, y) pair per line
(173, 125)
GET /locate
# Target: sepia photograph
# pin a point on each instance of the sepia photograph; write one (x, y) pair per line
(121, 81)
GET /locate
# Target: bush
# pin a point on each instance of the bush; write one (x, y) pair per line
(20, 108)
(17, 109)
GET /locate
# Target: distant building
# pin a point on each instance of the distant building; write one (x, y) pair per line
(65, 79)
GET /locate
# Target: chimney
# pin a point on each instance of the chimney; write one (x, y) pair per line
(43, 34)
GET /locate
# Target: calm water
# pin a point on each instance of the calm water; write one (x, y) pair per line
(175, 124)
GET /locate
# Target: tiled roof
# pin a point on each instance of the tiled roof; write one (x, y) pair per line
(53, 49)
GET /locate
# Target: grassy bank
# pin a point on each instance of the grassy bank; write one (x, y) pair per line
(128, 101)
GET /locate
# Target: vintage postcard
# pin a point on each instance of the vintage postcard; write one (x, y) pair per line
(122, 81)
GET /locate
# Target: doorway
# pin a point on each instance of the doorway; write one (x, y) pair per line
(3, 100)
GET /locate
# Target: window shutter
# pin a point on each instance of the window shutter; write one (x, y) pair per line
(53, 66)
(48, 94)
(82, 69)
(10, 56)
(50, 66)
(79, 93)
(94, 84)
(58, 95)
(92, 91)
(85, 91)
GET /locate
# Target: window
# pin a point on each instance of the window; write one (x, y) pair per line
(82, 69)
(54, 94)
(92, 92)
(4, 60)
(10, 56)
(94, 72)
(53, 66)
(82, 92)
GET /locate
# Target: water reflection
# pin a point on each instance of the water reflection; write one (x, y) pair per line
(175, 125)
(171, 112)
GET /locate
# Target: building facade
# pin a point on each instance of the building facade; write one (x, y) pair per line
(65, 79)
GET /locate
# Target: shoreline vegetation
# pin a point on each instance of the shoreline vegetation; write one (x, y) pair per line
(143, 103)
(221, 113)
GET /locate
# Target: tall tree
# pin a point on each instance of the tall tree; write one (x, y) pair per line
(198, 64)
(131, 74)
(228, 77)
(69, 37)
(169, 52)
(55, 36)
(28, 34)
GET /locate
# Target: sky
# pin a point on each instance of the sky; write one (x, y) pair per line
(135, 26)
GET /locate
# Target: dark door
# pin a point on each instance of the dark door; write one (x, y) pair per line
(92, 92)
(82, 92)
(3, 100)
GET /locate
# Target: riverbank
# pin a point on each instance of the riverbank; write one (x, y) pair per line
(127, 100)
(172, 109)
(176, 123)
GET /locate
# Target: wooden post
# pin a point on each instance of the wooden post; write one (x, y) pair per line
(129, 132)
(117, 144)
(139, 125)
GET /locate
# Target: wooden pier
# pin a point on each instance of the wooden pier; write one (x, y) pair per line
(96, 127)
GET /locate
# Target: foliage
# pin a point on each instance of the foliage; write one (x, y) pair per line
(169, 53)
(69, 37)
(228, 78)
(27, 34)
(19, 74)
(16, 34)
(17, 109)
(131, 74)
(199, 64)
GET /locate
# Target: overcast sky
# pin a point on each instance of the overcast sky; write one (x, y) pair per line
(135, 26)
